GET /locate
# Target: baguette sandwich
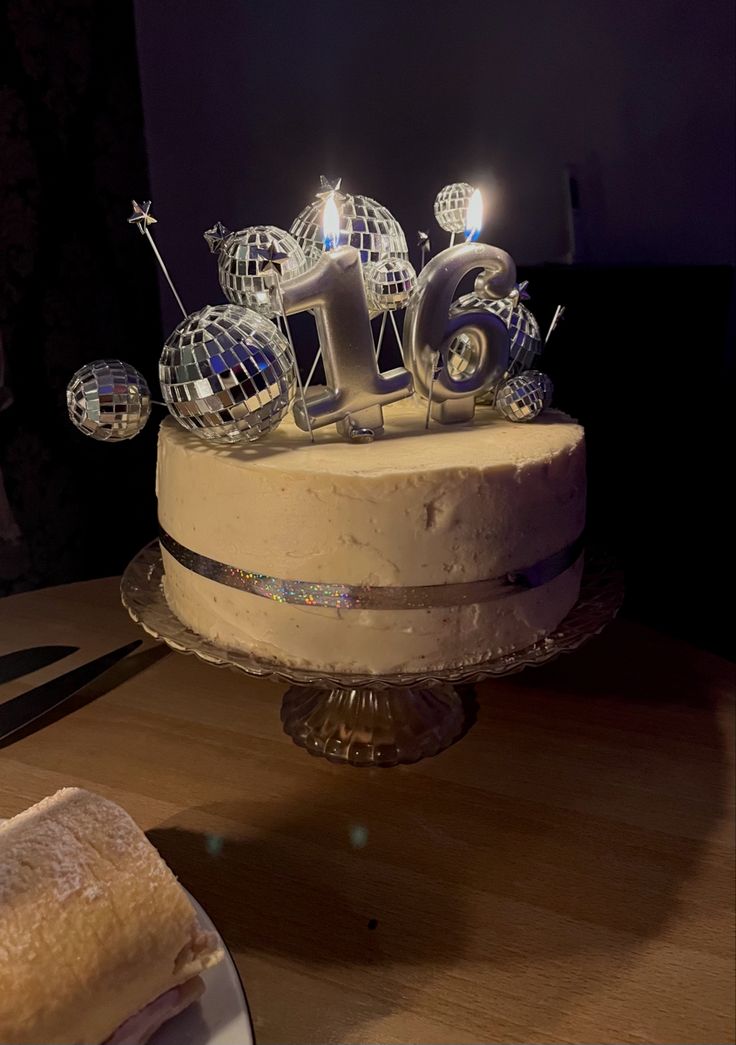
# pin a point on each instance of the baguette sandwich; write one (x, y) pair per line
(98, 941)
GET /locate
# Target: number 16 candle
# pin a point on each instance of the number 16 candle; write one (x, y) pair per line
(356, 391)
(430, 330)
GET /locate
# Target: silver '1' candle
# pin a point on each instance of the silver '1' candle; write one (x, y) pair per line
(356, 391)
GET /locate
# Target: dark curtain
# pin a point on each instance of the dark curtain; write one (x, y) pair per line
(76, 284)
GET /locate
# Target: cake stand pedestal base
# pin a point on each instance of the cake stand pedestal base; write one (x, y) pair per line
(373, 727)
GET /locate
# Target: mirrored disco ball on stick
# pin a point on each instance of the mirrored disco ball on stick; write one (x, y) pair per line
(108, 400)
(227, 374)
(526, 340)
(389, 283)
(451, 206)
(364, 224)
(524, 397)
(240, 266)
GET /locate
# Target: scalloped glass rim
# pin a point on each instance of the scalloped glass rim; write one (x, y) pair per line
(141, 591)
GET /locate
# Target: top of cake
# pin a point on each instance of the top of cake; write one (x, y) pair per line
(404, 445)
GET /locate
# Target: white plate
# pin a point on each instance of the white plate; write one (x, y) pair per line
(221, 1016)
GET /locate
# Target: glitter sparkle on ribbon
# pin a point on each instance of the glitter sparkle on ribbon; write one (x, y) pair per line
(374, 597)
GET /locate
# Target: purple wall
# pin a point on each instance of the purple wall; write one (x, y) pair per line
(247, 103)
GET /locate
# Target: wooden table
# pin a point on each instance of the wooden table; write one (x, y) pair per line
(563, 874)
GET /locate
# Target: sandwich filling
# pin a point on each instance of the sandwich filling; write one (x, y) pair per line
(139, 1028)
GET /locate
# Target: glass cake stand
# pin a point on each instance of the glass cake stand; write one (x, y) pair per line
(368, 720)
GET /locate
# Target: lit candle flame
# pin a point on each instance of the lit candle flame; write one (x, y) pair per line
(330, 223)
(474, 217)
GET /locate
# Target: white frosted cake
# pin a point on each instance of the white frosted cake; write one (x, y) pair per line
(421, 550)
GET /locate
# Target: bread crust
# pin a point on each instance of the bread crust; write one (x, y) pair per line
(93, 924)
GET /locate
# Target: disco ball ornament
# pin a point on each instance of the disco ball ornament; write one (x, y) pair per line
(364, 224)
(389, 283)
(526, 340)
(524, 397)
(451, 206)
(545, 381)
(462, 356)
(227, 374)
(109, 400)
(240, 265)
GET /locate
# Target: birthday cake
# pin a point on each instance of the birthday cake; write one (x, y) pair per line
(407, 519)
(421, 551)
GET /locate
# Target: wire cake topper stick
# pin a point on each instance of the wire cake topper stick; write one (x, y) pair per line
(142, 217)
(559, 313)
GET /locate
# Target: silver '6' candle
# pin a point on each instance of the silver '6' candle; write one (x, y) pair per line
(481, 338)
(356, 392)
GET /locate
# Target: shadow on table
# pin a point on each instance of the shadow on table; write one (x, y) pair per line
(314, 889)
(558, 833)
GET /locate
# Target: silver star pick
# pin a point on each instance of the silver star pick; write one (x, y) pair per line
(215, 236)
(273, 259)
(423, 240)
(329, 187)
(141, 216)
(519, 293)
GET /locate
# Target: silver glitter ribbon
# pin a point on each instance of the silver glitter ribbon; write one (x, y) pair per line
(375, 597)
